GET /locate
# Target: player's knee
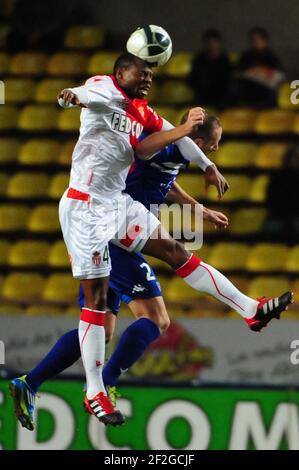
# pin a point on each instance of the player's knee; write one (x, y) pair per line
(164, 324)
(177, 254)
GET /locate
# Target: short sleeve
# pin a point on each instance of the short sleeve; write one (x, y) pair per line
(95, 91)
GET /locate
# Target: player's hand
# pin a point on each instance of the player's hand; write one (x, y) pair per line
(217, 218)
(215, 178)
(69, 97)
(195, 118)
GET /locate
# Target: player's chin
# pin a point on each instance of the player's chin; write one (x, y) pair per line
(142, 93)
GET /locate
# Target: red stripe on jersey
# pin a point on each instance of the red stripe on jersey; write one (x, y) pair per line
(75, 194)
(131, 235)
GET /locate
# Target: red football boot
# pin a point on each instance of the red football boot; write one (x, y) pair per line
(268, 309)
(101, 407)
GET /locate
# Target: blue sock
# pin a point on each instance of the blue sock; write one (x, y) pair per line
(64, 354)
(130, 348)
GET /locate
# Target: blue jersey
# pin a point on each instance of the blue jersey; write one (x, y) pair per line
(148, 182)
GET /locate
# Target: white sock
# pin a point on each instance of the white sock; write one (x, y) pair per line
(205, 278)
(92, 344)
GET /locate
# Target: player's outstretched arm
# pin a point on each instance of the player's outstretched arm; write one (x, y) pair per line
(68, 99)
(179, 196)
(158, 140)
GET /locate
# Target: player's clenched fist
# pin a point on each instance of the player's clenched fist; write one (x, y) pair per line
(195, 118)
(67, 98)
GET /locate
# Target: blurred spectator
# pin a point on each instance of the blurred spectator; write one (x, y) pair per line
(282, 198)
(211, 71)
(259, 72)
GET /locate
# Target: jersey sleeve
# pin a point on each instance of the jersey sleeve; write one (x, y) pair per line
(153, 122)
(95, 91)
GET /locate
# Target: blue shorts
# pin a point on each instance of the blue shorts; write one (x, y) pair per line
(131, 278)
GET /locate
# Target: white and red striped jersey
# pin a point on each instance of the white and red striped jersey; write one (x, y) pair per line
(110, 127)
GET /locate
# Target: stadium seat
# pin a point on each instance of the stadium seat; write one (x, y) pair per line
(247, 221)
(176, 93)
(38, 118)
(268, 286)
(180, 65)
(193, 184)
(239, 186)
(229, 256)
(39, 152)
(167, 112)
(61, 288)
(65, 155)
(4, 63)
(267, 257)
(43, 309)
(4, 251)
(69, 119)
(29, 253)
(13, 217)
(235, 155)
(102, 62)
(48, 89)
(59, 183)
(258, 189)
(4, 179)
(9, 149)
(295, 289)
(23, 286)
(296, 124)
(58, 256)
(238, 121)
(44, 218)
(84, 37)
(178, 291)
(8, 117)
(270, 155)
(284, 97)
(203, 253)
(292, 261)
(72, 311)
(28, 63)
(19, 90)
(275, 121)
(26, 185)
(67, 64)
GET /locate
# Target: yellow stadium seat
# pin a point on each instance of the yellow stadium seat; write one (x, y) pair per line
(28, 185)
(8, 117)
(295, 289)
(193, 184)
(43, 309)
(4, 251)
(239, 186)
(13, 217)
(270, 155)
(84, 37)
(23, 286)
(69, 119)
(19, 90)
(203, 253)
(258, 189)
(180, 65)
(58, 256)
(44, 218)
(284, 97)
(39, 152)
(48, 89)
(247, 221)
(102, 63)
(175, 93)
(4, 63)
(178, 291)
(11, 309)
(229, 256)
(4, 179)
(276, 121)
(38, 118)
(238, 121)
(72, 311)
(67, 63)
(9, 149)
(61, 288)
(59, 183)
(167, 112)
(296, 124)
(65, 155)
(235, 155)
(268, 286)
(29, 253)
(292, 261)
(28, 63)
(267, 257)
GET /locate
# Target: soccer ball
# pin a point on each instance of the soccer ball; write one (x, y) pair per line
(151, 43)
